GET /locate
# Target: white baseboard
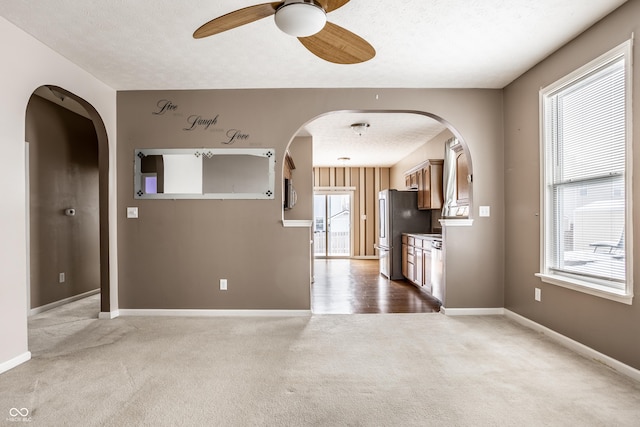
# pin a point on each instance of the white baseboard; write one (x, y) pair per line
(108, 314)
(498, 311)
(214, 313)
(575, 346)
(55, 304)
(12, 363)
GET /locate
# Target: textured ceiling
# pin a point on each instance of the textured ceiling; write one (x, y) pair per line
(148, 44)
(390, 138)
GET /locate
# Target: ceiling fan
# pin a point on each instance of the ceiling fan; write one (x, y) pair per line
(304, 19)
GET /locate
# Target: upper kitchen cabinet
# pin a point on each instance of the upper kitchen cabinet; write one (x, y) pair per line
(462, 176)
(411, 180)
(427, 179)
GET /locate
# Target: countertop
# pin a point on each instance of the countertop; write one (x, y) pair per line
(433, 236)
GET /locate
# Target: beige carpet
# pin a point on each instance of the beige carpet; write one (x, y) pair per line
(327, 370)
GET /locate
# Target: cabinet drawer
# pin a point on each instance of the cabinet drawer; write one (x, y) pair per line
(410, 240)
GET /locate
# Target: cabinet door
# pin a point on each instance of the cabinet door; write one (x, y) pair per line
(411, 266)
(419, 266)
(405, 260)
(426, 172)
(426, 265)
(430, 194)
(462, 181)
(414, 180)
(436, 198)
(421, 199)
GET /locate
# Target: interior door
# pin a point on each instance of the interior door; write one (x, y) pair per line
(332, 225)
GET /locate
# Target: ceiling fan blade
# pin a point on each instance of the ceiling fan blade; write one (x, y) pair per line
(338, 45)
(237, 18)
(331, 5)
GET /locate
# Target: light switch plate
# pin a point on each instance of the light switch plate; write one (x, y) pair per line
(485, 211)
(132, 212)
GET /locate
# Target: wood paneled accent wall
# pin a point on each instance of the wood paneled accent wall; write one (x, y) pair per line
(366, 183)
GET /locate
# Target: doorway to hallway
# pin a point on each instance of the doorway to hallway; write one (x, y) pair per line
(67, 224)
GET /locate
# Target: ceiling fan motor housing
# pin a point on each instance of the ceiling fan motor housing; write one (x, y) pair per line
(301, 18)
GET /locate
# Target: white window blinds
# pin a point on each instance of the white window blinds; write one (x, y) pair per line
(585, 143)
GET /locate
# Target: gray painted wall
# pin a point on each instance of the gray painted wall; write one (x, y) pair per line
(609, 327)
(174, 254)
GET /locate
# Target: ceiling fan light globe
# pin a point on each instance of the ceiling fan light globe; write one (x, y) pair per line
(300, 19)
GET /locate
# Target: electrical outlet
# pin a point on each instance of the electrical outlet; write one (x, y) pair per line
(223, 284)
(538, 294)
(61, 278)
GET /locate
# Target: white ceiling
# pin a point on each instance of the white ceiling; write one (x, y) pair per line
(148, 45)
(389, 138)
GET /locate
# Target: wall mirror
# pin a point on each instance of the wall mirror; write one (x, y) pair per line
(204, 173)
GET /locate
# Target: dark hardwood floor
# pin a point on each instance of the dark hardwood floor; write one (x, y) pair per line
(350, 286)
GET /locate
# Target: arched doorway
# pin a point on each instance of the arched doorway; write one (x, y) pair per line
(342, 170)
(87, 175)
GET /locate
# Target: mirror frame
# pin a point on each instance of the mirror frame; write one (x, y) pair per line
(269, 191)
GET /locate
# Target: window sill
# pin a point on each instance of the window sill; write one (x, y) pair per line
(587, 288)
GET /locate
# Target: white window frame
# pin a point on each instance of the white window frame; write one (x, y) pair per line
(547, 275)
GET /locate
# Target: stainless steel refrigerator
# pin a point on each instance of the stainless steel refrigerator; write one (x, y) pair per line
(398, 214)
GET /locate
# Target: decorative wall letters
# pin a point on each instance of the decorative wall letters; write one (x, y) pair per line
(164, 105)
(195, 122)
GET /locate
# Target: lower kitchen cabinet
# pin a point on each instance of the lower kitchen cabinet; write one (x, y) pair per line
(419, 266)
(426, 265)
(417, 260)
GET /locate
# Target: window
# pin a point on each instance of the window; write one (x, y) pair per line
(586, 200)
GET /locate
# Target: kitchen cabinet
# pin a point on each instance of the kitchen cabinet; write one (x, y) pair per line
(405, 257)
(409, 258)
(462, 176)
(427, 179)
(418, 265)
(426, 266)
(413, 180)
(430, 186)
(417, 260)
